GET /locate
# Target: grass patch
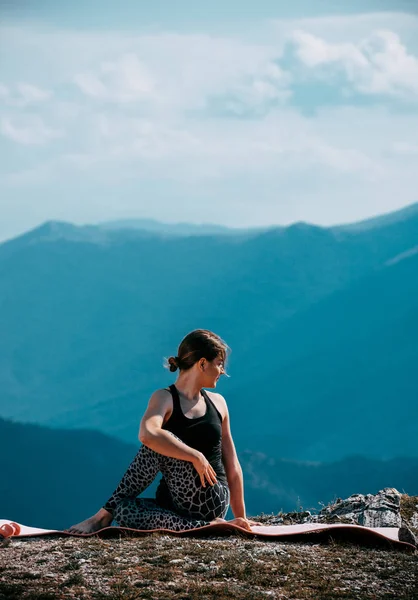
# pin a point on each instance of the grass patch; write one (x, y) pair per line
(73, 579)
(71, 565)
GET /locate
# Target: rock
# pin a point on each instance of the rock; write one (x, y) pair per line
(387, 508)
(292, 517)
(380, 510)
(176, 561)
(409, 511)
(406, 535)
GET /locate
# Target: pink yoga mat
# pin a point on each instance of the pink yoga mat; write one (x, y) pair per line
(386, 536)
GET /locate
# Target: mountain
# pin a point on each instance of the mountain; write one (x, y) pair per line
(343, 375)
(389, 218)
(179, 229)
(55, 231)
(321, 322)
(84, 321)
(271, 482)
(186, 229)
(53, 478)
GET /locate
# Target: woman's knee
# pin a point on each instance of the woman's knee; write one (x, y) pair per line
(148, 453)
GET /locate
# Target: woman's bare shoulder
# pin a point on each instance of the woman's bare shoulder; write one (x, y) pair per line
(161, 398)
(164, 392)
(219, 401)
(160, 403)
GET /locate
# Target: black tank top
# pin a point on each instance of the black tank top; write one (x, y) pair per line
(202, 433)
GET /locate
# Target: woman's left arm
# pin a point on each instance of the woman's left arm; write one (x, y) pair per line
(233, 468)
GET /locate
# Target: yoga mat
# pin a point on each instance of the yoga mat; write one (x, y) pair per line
(369, 536)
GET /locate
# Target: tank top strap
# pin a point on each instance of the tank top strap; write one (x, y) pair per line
(176, 400)
(210, 404)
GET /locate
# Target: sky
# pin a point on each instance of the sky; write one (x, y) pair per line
(238, 113)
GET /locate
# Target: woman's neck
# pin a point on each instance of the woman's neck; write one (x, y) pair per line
(189, 387)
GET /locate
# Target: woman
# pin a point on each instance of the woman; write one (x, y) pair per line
(186, 436)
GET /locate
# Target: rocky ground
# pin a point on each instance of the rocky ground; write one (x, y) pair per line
(163, 567)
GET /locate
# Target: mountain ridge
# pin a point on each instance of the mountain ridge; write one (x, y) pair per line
(106, 231)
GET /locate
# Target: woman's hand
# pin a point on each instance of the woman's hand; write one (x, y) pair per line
(244, 523)
(240, 521)
(205, 469)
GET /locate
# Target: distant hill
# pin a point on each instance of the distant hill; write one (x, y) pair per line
(54, 478)
(389, 218)
(342, 379)
(186, 229)
(271, 482)
(321, 321)
(180, 229)
(56, 231)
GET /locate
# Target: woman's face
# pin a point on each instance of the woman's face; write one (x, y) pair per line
(213, 370)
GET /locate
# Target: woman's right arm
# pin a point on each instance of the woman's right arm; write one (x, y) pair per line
(152, 435)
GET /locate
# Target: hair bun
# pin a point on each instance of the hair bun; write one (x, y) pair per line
(172, 361)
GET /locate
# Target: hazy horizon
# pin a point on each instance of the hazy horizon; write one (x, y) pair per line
(210, 223)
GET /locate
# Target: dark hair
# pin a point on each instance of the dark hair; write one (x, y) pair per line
(200, 343)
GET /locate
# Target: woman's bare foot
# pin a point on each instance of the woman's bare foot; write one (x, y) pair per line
(101, 519)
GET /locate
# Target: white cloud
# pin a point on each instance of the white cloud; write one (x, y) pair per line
(185, 72)
(91, 85)
(340, 29)
(392, 70)
(405, 148)
(124, 80)
(254, 94)
(22, 95)
(124, 148)
(31, 93)
(314, 51)
(27, 131)
(4, 92)
(379, 64)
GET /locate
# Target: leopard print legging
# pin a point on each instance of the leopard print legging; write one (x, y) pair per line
(181, 501)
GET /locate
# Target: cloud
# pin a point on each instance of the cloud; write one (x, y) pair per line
(405, 148)
(283, 143)
(314, 51)
(168, 73)
(23, 94)
(28, 131)
(4, 92)
(31, 93)
(253, 95)
(393, 70)
(346, 28)
(185, 72)
(125, 80)
(378, 64)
